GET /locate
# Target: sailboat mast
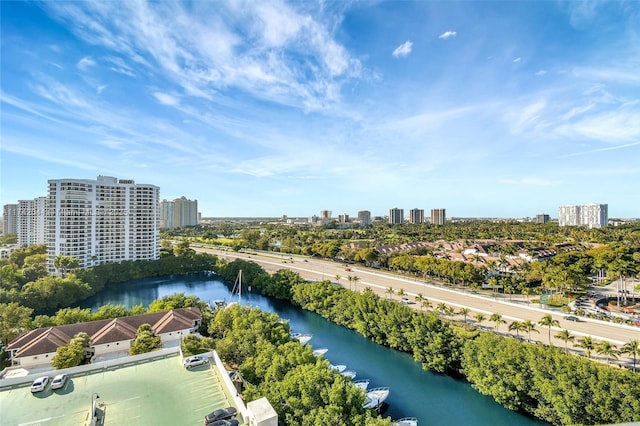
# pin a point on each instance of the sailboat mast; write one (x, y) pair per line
(240, 288)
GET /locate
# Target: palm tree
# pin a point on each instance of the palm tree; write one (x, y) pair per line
(350, 279)
(529, 326)
(442, 307)
(401, 292)
(632, 348)
(566, 336)
(606, 348)
(337, 277)
(426, 304)
(389, 291)
(497, 318)
(355, 282)
(548, 321)
(419, 299)
(587, 344)
(480, 317)
(464, 312)
(517, 326)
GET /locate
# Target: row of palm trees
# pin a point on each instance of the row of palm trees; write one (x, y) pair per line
(606, 348)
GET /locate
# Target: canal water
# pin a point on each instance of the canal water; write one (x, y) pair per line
(434, 399)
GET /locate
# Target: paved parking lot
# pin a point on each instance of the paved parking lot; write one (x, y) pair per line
(157, 392)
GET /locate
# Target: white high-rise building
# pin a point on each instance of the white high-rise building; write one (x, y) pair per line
(178, 213)
(9, 218)
(364, 217)
(102, 220)
(590, 215)
(31, 221)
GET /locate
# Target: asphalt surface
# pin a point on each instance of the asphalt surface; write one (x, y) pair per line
(517, 308)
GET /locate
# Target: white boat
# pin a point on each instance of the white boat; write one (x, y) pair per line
(304, 338)
(320, 352)
(362, 384)
(375, 397)
(406, 421)
(237, 289)
(350, 374)
(339, 367)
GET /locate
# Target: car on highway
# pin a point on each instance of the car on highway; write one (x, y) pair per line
(194, 361)
(219, 414)
(59, 381)
(407, 301)
(572, 318)
(39, 384)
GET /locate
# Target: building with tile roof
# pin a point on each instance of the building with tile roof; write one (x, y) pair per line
(37, 347)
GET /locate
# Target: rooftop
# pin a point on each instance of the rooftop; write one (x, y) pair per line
(155, 392)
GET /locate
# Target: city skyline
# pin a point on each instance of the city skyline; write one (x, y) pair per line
(489, 109)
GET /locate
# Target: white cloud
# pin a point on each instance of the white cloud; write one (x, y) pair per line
(447, 34)
(101, 88)
(518, 59)
(166, 99)
(403, 50)
(85, 63)
(541, 72)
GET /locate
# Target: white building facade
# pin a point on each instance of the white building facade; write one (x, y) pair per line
(31, 217)
(102, 220)
(178, 213)
(364, 217)
(589, 215)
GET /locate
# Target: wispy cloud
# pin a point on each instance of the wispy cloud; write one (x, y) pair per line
(518, 59)
(447, 34)
(85, 63)
(403, 50)
(541, 72)
(166, 99)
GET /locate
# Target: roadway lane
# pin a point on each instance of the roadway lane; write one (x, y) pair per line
(313, 269)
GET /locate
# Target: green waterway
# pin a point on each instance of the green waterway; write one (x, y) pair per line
(434, 399)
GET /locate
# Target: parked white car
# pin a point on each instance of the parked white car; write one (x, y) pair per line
(59, 381)
(39, 384)
(194, 361)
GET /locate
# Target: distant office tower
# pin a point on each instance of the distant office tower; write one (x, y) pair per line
(396, 216)
(9, 218)
(542, 218)
(343, 218)
(325, 215)
(178, 213)
(416, 216)
(438, 217)
(364, 217)
(31, 221)
(590, 215)
(102, 220)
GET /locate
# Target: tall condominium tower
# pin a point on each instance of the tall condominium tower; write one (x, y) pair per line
(396, 216)
(31, 221)
(102, 220)
(10, 218)
(364, 217)
(416, 216)
(438, 217)
(590, 215)
(178, 213)
(542, 218)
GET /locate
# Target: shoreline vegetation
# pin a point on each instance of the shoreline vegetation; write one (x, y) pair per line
(538, 380)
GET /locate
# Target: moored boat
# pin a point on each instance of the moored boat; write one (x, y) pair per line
(302, 338)
(349, 374)
(375, 397)
(320, 352)
(362, 384)
(406, 421)
(339, 367)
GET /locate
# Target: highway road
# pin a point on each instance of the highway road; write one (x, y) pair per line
(313, 269)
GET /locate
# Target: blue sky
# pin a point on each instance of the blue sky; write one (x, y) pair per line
(487, 109)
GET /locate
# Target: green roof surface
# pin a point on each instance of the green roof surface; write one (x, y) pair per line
(155, 392)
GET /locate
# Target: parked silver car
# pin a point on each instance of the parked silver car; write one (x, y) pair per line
(194, 361)
(39, 384)
(59, 381)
